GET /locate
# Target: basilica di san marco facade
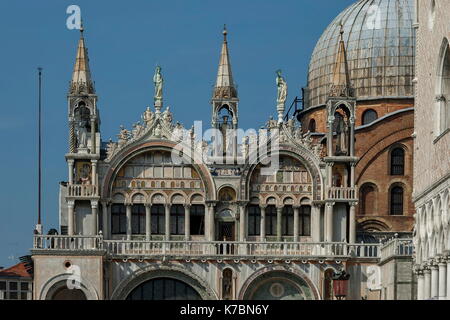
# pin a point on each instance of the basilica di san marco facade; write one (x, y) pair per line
(167, 212)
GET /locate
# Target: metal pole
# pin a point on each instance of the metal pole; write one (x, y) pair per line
(39, 147)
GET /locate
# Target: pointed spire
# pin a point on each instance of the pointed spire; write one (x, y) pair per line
(340, 85)
(81, 77)
(225, 87)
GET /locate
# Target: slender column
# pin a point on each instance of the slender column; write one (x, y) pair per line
(352, 136)
(187, 222)
(420, 285)
(94, 172)
(105, 228)
(329, 222)
(442, 279)
(70, 218)
(330, 138)
(94, 208)
(263, 223)
(148, 221)
(296, 224)
(448, 277)
(352, 174)
(128, 210)
(427, 284)
(315, 223)
(70, 162)
(242, 222)
(93, 137)
(167, 224)
(279, 216)
(352, 223)
(434, 281)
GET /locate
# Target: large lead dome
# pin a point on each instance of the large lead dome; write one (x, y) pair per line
(380, 42)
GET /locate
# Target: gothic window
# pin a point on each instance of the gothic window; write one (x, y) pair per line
(138, 219)
(368, 200)
(443, 90)
(118, 219)
(158, 218)
(271, 220)
(177, 219)
(398, 162)
(369, 116)
(397, 200)
(305, 221)
(254, 220)
(312, 125)
(287, 221)
(197, 219)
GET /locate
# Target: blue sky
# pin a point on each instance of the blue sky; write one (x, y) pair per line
(126, 39)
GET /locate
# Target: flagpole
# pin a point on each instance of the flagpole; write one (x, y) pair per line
(39, 225)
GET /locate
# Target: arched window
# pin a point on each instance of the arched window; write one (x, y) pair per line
(254, 220)
(164, 289)
(369, 116)
(287, 221)
(305, 221)
(138, 219)
(118, 219)
(368, 200)
(271, 220)
(312, 125)
(197, 219)
(443, 90)
(177, 219)
(398, 162)
(158, 219)
(397, 201)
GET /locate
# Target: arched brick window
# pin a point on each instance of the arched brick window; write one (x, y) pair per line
(398, 162)
(368, 196)
(369, 116)
(312, 125)
(396, 204)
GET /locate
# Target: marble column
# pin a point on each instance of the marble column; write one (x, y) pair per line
(70, 162)
(167, 222)
(352, 223)
(187, 222)
(105, 229)
(94, 208)
(128, 211)
(296, 222)
(242, 222)
(93, 136)
(148, 221)
(329, 222)
(263, 223)
(279, 219)
(420, 285)
(434, 281)
(94, 174)
(315, 223)
(448, 277)
(427, 284)
(70, 218)
(210, 223)
(442, 279)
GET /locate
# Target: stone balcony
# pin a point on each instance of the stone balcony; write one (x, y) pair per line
(204, 250)
(342, 194)
(82, 191)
